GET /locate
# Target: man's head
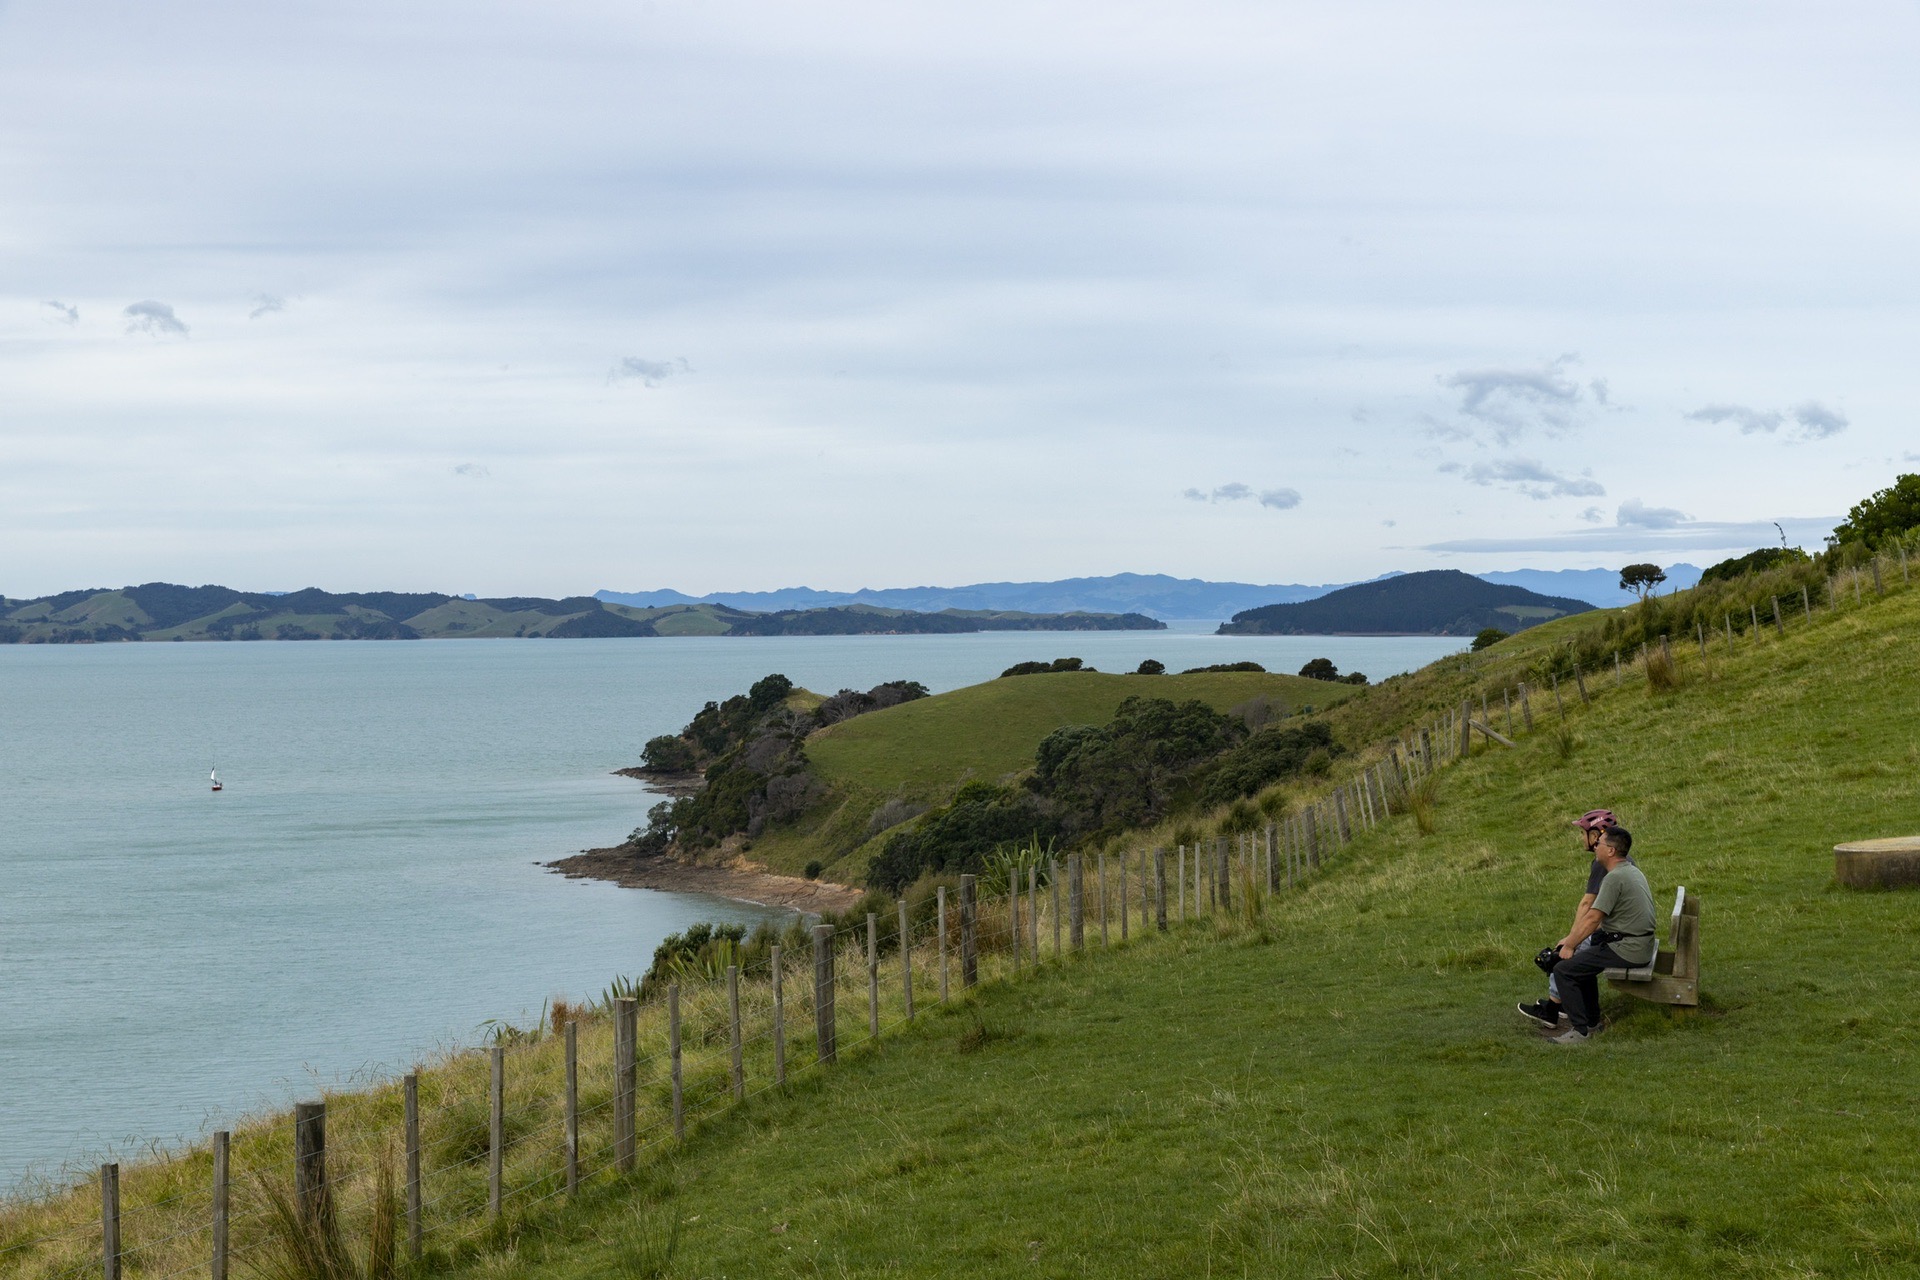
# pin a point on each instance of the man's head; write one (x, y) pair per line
(1593, 824)
(1615, 845)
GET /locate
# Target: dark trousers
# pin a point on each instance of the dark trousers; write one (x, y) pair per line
(1579, 983)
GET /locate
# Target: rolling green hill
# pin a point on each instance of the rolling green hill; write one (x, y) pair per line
(918, 754)
(165, 611)
(1441, 602)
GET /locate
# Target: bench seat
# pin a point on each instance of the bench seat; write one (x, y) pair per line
(1673, 977)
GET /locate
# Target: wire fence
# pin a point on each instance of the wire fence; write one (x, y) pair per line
(485, 1138)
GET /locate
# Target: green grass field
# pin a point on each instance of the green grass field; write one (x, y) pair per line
(1344, 1089)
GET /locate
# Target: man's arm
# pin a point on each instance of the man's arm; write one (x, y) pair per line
(1586, 900)
(1590, 919)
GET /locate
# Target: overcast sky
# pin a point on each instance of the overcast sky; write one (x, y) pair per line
(551, 297)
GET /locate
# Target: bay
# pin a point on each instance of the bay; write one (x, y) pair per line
(364, 891)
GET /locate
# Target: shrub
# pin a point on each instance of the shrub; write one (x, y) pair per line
(959, 836)
(1753, 562)
(1883, 517)
(1266, 758)
(1223, 666)
(1043, 668)
(1150, 667)
(814, 868)
(1320, 669)
(1488, 638)
(1134, 769)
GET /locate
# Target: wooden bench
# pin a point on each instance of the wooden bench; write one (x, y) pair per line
(1674, 975)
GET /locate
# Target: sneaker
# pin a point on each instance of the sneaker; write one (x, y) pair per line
(1545, 1012)
(1572, 1035)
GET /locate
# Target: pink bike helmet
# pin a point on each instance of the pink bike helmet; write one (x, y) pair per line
(1596, 819)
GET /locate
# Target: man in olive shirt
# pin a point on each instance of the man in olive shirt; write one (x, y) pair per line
(1621, 919)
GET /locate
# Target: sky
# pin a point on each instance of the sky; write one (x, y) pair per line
(546, 298)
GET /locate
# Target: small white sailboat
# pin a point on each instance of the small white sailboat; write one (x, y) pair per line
(213, 775)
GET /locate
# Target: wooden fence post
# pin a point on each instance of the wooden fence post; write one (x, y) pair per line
(416, 1186)
(1101, 881)
(1273, 881)
(1160, 888)
(1855, 575)
(222, 1187)
(310, 1197)
(1146, 913)
(826, 1042)
(1666, 649)
(1053, 884)
(1223, 874)
(1877, 588)
(110, 1221)
(626, 1053)
(737, 1067)
(1466, 734)
(1729, 618)
(1033, 911)
(779, 1016)
(1778, 624)
(1123, 897)
(1340, 813)
(873, 976)
(1753, 613)
(570, 1131)
(940, 905)
(673, 1058)
(906, 961)
(1806, 601)
(969, 959)
(1180, 881)
(1700, 634)
(1526, 707)
(1313, 836)
(1426, 750)
(1556, 697)
(1076, 904)
(496, 1129)
(1013, 913)
(1580, 683)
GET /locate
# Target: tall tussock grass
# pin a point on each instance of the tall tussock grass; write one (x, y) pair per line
(1663, 673)
(1421, 799)
(303, 1246)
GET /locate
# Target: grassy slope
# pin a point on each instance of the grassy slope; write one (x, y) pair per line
(1347, 1092)
(923, 750)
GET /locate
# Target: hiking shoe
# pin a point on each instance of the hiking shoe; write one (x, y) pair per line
(1572, 1035)
(1545, 1012)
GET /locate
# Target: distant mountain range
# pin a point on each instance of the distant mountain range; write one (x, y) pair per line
(165, 611)
(1438, 602)
(1154, 594)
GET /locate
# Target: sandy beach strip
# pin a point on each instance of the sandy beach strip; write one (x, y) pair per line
(740, 879)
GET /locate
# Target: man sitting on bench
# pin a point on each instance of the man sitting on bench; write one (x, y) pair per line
(1591, 825)
(1621, 919)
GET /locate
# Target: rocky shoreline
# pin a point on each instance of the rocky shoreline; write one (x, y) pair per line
(739, 879)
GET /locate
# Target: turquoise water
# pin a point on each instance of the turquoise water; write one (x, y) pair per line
(365, 889)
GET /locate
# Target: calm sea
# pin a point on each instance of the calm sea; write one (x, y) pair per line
(365, 889)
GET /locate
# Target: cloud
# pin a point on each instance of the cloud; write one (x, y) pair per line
(1749, 420)
(1639, 515)
(265, 304)
(1235, 491)
(62, 312)
(1817, 422)
(1528, 476)
(1687, 535)
(1814, 420)
(155, 319)
(650, 372)
(1600, 393)
(1592, 515)
(1512, 400)
(472, 470)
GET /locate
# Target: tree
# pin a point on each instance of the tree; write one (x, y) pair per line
(1488, 638)
(1885, 516)
(1321, 669)
(1151, 667)
(1642, 578)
